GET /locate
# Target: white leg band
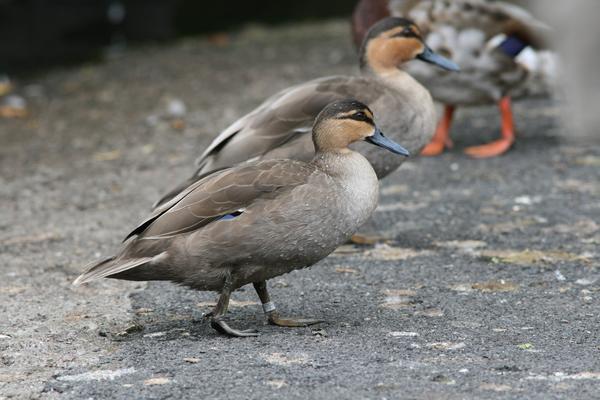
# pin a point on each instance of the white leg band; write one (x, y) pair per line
(268, 307)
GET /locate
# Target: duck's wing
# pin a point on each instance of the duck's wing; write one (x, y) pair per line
(276, 122)
(224, 194)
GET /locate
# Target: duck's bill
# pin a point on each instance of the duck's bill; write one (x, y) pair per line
(432, 57)
(379, 139)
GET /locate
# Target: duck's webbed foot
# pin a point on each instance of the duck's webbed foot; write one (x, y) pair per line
(275, 319)
(273, 316)
(502, 145)
(217, 315)
(219, 324)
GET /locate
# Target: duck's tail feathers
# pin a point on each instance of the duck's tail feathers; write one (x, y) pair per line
(110, 266)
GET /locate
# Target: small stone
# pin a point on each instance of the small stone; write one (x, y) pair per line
(443, 379)
(176, 108)
(585, 281)
(320, 332)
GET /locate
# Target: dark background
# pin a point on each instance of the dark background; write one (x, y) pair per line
(39, 33)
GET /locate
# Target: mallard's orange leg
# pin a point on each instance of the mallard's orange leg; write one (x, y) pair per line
(441, 139)
(501, 145)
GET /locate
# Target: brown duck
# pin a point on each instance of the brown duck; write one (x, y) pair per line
(280, 127)
(256, 221)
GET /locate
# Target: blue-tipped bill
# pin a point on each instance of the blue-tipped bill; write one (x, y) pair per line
(379, 139)
(433, 58)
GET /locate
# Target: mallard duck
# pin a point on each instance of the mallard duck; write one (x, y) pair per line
(280, 127)
(499, 47)
(256, 221)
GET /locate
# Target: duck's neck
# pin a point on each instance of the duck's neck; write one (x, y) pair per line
(346, 165)
(398, 79)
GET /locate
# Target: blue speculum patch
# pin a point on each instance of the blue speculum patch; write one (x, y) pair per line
(512, 46)
(228, 217)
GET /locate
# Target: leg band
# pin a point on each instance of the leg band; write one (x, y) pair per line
(268, 307)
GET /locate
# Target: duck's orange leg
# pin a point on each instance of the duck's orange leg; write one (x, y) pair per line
(441, 139)
(501, 145)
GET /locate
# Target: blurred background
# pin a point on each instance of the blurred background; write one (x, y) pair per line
(38, 33)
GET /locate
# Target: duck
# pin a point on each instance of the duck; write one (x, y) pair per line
(255, 221)
(500, 47)
(280, 127)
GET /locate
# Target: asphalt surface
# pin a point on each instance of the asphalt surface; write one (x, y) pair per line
(487, 285)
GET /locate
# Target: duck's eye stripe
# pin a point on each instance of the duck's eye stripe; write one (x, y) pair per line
(405, 33)
(360, 117)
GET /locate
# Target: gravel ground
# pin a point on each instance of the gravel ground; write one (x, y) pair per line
(487, 285)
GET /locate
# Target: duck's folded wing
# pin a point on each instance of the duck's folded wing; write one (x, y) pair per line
(221, 195)
(276, 122)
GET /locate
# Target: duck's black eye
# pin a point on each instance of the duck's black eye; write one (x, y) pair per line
(406, 32)
(360, 116)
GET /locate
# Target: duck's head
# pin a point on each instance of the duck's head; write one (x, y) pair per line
(344, 122)
(394, 41)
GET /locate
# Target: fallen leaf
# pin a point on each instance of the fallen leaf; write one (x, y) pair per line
(430, 312)
(463, 245)
(282, 359)
(529, 257)
(446, 345)
(364, 239)
(591, 161)
(144, 311)
(156, 381)
(403, 334)
(344, 270)
(578, 186)
(508, 227)
(346, 250)
(400, 292)
(276, 383)
(525, 346)
(404, 206)
(561, 376)
(494, 387)
(219, 39)
(108, 155)
(399, 298)
(389, 253)
(178, 124)
(495, 286)
(13, 289)
(394, 189)
(36, 238)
